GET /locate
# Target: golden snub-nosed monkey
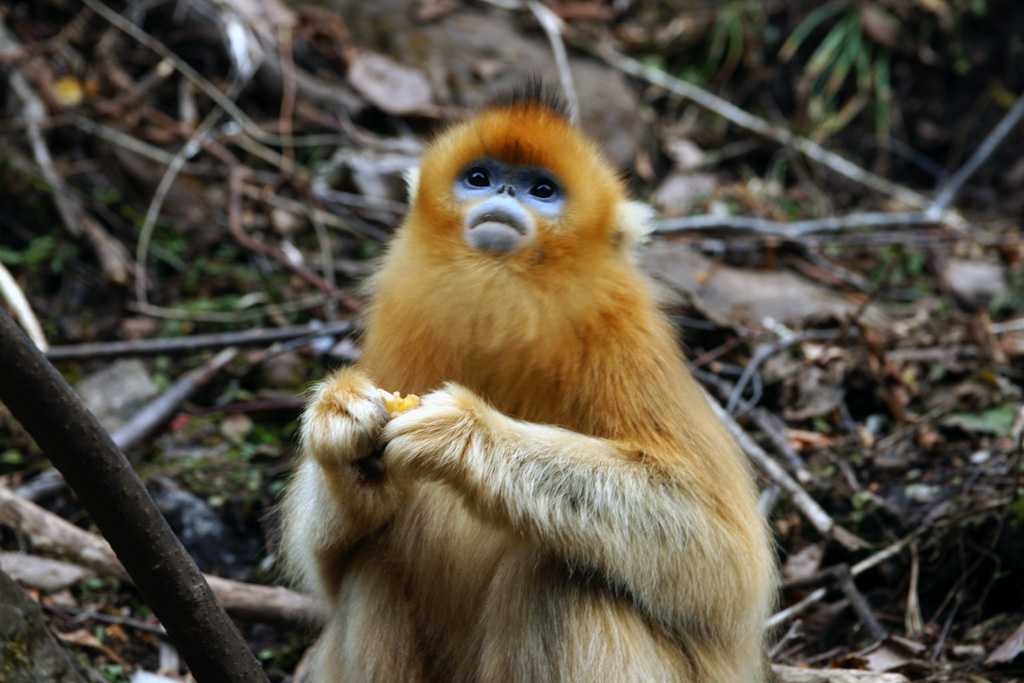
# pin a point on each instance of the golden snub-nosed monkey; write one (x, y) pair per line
(562, 505)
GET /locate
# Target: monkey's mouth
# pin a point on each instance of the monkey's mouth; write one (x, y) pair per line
(499, 230)
(497, 219)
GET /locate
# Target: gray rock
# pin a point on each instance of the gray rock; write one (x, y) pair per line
(117, 392)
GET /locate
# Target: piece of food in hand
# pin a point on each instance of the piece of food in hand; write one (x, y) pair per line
(396, 404)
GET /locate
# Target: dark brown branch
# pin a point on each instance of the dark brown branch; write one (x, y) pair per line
(110, 490)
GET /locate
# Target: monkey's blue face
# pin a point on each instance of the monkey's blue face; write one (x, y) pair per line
(504, 202)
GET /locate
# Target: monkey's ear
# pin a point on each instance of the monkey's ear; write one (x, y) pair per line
(412, 181)
(634, 222)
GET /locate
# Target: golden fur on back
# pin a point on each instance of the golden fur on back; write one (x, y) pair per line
(563, 506)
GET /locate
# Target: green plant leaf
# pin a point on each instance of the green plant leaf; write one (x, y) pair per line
(829, 49)
(852, 46)
(812, 21)
(883, 96)
(997, 420)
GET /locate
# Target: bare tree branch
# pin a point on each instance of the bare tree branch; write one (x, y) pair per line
(801, 499)
(196, 342)
(755, 124)
(50, 534)
(872, 219)
(554, 27)
(948, 191)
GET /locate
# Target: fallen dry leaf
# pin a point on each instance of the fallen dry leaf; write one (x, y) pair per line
(739, 297)
(1009, 650)
(393, 87)
(975, 283)
(681, 192)
(802, 439)
(804, 562)
(84, 638)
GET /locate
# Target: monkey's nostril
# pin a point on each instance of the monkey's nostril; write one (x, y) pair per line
(507, 189)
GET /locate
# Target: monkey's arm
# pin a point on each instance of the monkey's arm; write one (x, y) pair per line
(339, 494)
(650, 528)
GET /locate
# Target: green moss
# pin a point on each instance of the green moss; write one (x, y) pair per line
(15, 654)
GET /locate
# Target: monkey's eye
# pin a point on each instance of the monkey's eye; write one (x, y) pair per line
(543, 189)
(478, 177)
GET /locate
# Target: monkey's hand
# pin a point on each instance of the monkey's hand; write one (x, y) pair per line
(432, 440)
(341, 492)
(341, 425)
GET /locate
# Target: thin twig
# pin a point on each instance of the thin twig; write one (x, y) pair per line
(755, 124)
(326, 259)
(869, 219)
(115, 262)
(937, 648)
(874, 560)
(554, 27)
(767, 422)
(82, 614)
(944, 406)
(32, 111)
(763, 353)
(197, 342)
(238, 232)
(328, 218)
(801, 499)
(122, 139)
(912, 619)
(285, 34)
(859, 568)
(221, 99)
(817, 266)
(162, 408)
(229, 318)
(949, 190)
(187, 150)
(194, 142)
(360, 201)
(15, 298)
(857, 601)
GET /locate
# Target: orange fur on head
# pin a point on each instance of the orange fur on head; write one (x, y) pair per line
(530, 297)
(530, 134)
(562, 505)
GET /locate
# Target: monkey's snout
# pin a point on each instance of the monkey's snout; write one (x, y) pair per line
(499, 226)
